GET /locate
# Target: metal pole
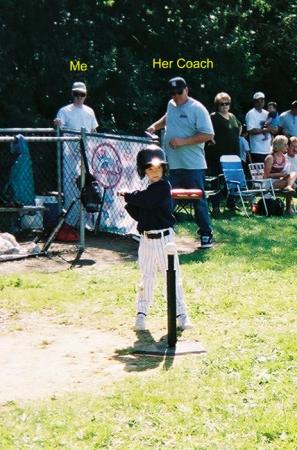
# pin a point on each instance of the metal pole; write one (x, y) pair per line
(82, 237)
(41, 138)
(98, 221)
(27, 130)
(59, 170)
(171, 295)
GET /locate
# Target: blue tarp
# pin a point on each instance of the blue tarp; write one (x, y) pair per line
(21, 175)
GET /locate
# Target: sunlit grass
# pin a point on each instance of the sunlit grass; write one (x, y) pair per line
(241, 296)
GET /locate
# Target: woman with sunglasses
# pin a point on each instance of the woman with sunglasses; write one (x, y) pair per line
(227, 130)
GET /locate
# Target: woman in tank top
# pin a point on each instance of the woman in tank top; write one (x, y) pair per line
(274, 168)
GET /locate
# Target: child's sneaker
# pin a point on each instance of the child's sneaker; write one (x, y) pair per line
(206, 241)
(140, 322)
(184, 322)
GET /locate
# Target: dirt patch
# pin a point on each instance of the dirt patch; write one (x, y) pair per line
(101, 251)
(42, 356)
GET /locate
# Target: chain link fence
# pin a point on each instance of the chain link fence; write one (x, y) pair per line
(39, 164)
(112, 160)
(29, 174)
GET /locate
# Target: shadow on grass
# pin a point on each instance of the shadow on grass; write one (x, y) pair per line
(124, 246)
(260, 240)
(135, 362)
(196, 256)
(264, 242)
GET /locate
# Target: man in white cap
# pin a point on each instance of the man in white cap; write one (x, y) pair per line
(77, 115)
(255, 120)
(74, 116)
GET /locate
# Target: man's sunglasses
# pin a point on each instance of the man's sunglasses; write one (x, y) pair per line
(78, 94)
(178, 92)
(224, 104)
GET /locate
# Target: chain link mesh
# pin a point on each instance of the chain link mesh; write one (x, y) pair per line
(28, 170)
(112, 161)
(55, 167)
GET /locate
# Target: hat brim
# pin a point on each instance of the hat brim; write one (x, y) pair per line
(83, 91)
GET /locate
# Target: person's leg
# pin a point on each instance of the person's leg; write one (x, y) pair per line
(283, 184)
(196, 180)
(147, 266)
(279, 184)
(291, 181)
(289, 188)
(288, 203)
(162, 261)
(176, 182)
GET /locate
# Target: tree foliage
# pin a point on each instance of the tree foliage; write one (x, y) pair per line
(252, 44)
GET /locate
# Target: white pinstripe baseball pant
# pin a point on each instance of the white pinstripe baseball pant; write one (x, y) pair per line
(152, 256)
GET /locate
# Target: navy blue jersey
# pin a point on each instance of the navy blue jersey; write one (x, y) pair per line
(151, 208)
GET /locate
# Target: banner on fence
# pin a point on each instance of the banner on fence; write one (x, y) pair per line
(113, 163)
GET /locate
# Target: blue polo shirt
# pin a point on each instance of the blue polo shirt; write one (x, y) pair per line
(288, 122)
(183, 121)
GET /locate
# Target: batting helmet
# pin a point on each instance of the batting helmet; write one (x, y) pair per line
(150, 156)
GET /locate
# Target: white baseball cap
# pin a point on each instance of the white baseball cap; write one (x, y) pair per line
(258, 95)
(78, 86)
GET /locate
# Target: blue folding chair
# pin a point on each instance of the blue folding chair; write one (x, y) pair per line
(236, 182)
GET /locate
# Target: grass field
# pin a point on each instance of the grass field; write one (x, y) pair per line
(241, 297)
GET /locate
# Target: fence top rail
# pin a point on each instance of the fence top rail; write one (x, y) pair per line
(28, 130)
(41, 138)
(121, 137)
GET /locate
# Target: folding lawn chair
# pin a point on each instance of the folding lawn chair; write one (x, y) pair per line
(236, 182)
(257, 174)
(257, 177)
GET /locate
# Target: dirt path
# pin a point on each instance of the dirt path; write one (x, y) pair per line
(101, 251)
(41, 357)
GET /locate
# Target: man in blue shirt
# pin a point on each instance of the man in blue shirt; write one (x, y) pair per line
(187, 127)
(288, 121)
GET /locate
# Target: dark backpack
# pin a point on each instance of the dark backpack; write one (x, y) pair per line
(90, 193)
(91, 196)
(275, 207)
